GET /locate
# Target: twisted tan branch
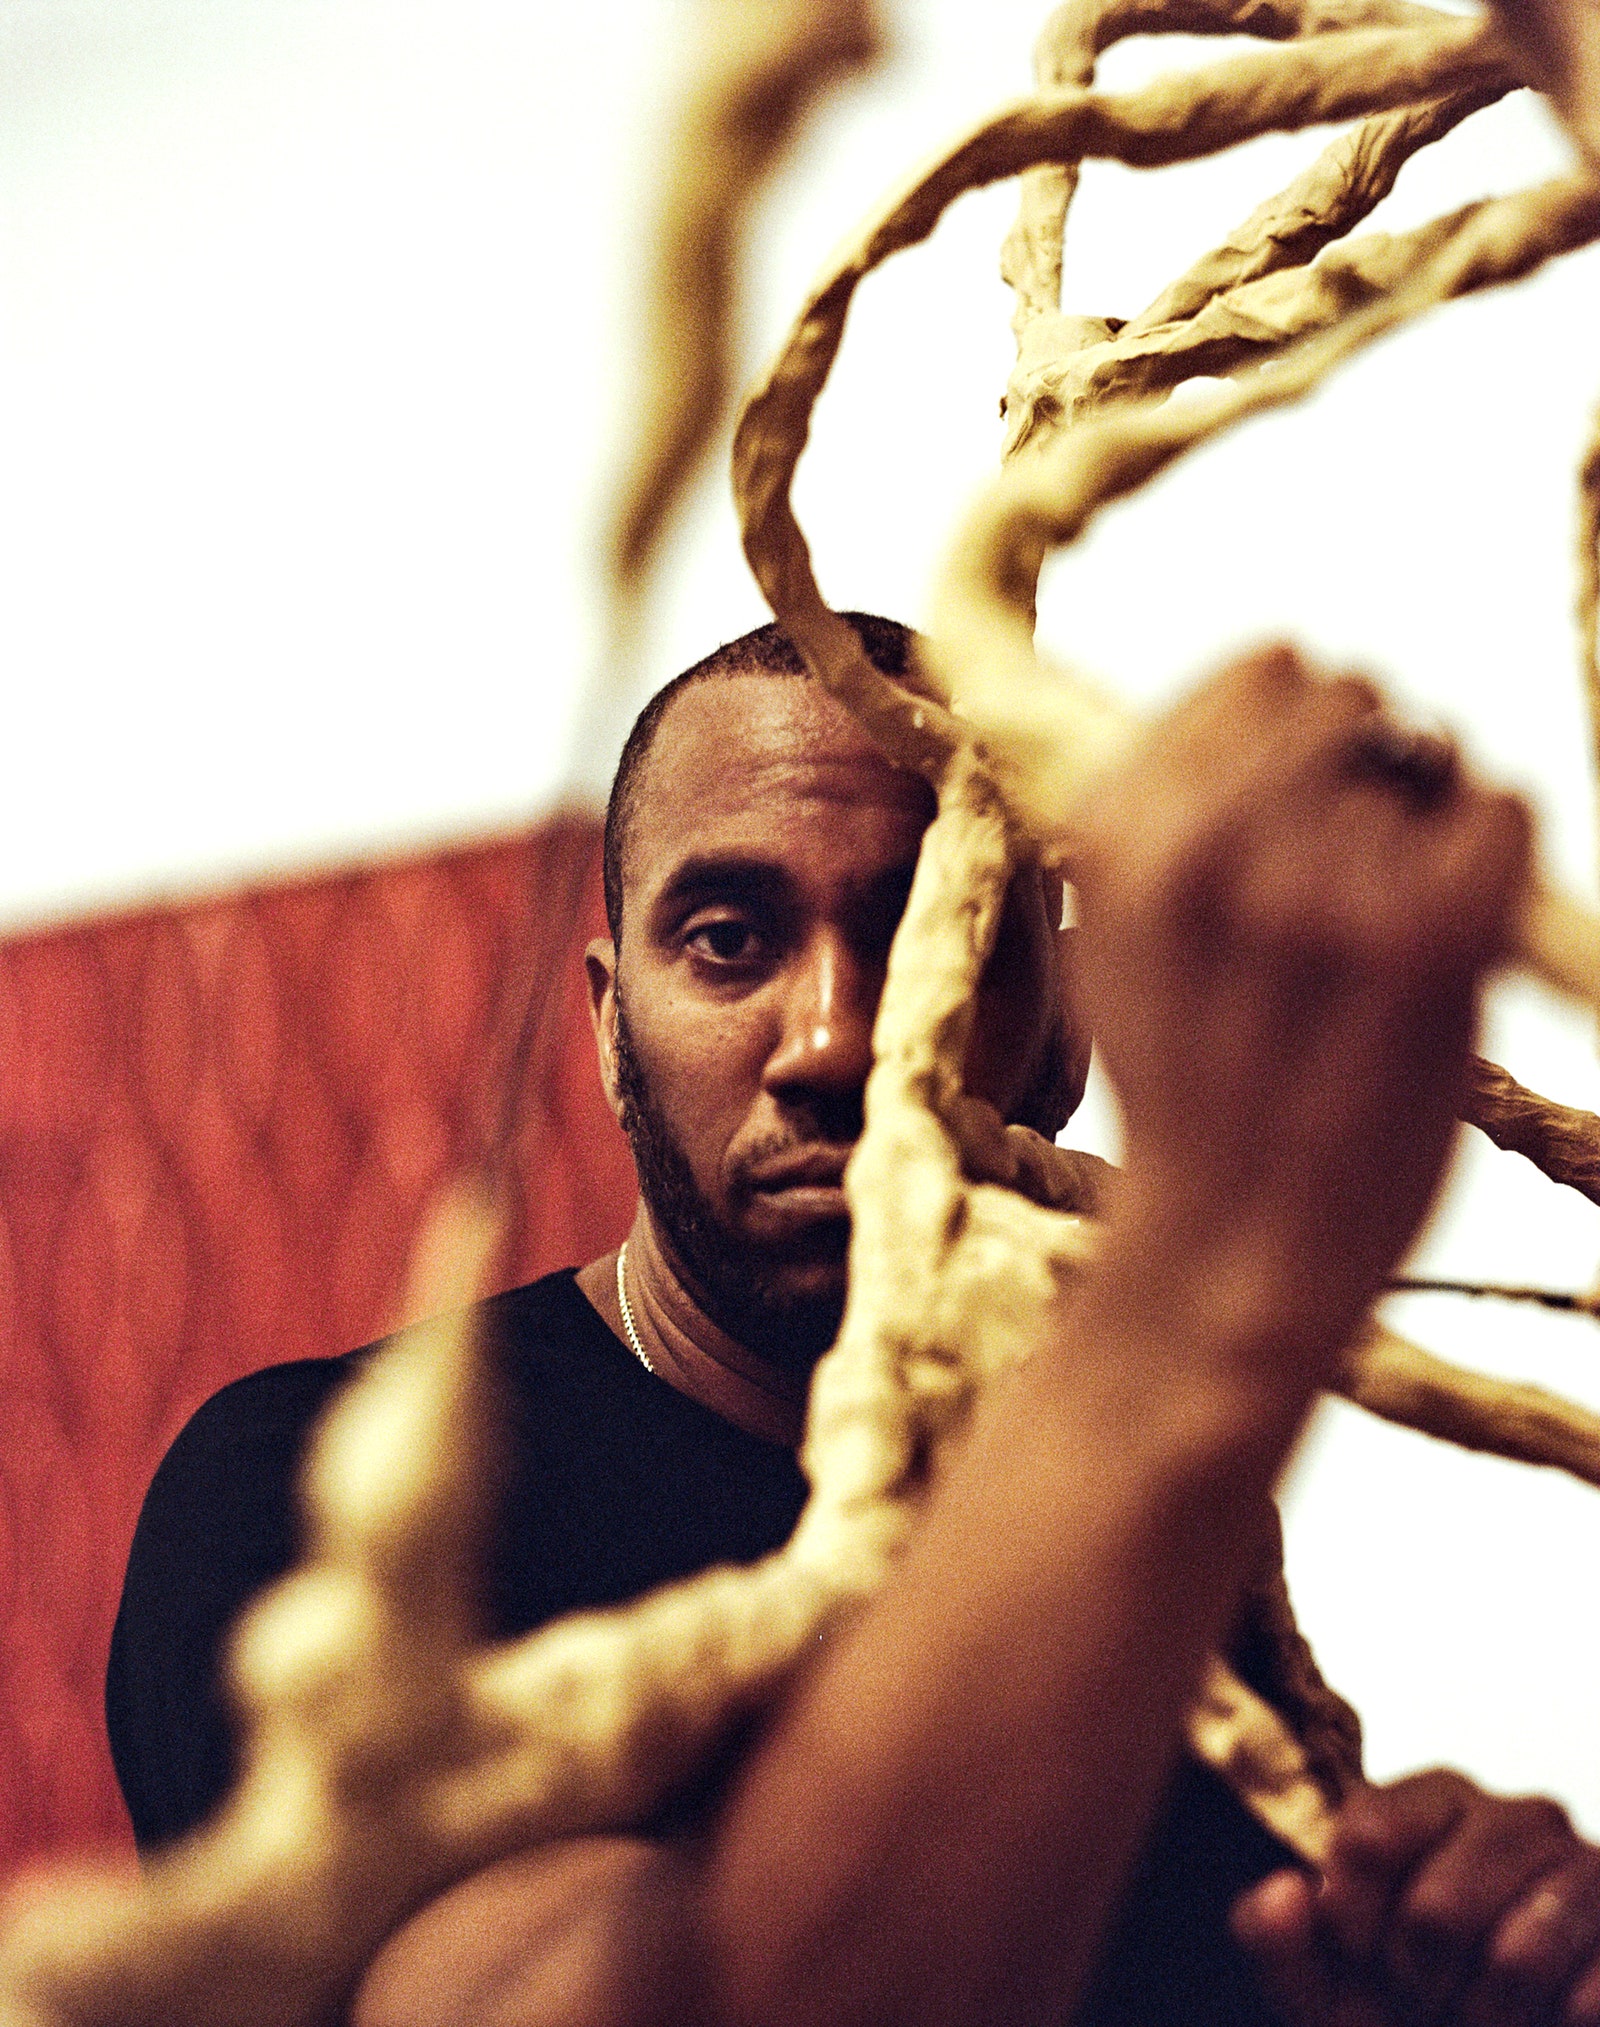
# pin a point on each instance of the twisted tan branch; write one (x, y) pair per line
(1561, 1141)
(1399, 1381)
(753, 73)
(1587, 599)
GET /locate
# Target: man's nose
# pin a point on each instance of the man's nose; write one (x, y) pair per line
(829, 1005)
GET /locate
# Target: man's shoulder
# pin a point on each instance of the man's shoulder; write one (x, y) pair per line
(274, 1399)
(239, 1451)
(280, 1400)
(220, 1521)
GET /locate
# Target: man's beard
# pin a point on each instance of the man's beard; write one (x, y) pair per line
(743, 1288)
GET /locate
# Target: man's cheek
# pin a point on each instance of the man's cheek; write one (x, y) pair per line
(702, 1130)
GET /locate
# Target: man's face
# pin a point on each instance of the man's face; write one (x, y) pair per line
(765, 869)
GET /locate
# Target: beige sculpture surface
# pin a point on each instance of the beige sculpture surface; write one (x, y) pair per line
(751, 73)
(389, 1748)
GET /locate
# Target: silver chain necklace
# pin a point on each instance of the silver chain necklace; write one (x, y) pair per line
(626, 1307)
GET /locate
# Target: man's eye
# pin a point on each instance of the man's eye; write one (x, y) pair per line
(725, 942)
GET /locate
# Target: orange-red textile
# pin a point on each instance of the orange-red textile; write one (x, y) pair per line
(219, 1126)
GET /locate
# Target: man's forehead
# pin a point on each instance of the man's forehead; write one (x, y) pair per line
(737, 754)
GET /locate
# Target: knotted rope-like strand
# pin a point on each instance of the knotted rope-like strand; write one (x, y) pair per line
(1338, 75)
(752, 74)
(1587, 598)
(1560, 1140)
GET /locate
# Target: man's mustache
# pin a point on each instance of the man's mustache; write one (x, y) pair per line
(780, 1161)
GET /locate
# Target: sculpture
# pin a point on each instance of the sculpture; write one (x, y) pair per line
(389, 1750)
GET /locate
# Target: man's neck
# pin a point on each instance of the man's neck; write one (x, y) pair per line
(685, 1349)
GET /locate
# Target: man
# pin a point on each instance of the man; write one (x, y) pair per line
(1281, 954)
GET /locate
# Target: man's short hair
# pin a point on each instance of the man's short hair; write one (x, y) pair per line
(767, 651)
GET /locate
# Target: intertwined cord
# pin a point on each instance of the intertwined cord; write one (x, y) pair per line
(387, 1749)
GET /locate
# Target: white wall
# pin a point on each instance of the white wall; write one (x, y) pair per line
(315, 318)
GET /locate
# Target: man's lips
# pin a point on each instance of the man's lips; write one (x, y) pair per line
(816, 1168)
(800, 1189)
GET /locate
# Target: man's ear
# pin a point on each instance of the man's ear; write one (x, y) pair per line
(600, 966)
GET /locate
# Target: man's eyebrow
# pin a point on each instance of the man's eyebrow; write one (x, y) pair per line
(718, 877)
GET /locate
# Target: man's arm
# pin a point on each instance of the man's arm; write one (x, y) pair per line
(1281, 962)
(900, 1845)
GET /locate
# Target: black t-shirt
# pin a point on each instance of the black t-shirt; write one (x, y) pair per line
(616, 1483)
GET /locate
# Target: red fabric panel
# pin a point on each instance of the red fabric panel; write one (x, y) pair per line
(219, 1127)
